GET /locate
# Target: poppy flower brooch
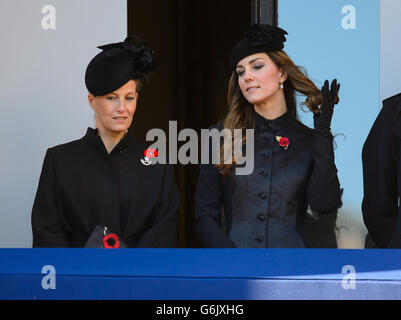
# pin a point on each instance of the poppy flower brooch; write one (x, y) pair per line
(284, 142)
(149, 153)
(110, 240)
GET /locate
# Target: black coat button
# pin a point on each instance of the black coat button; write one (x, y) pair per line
(259, 239)
(264, 173)
(261, 217)
(262, 195)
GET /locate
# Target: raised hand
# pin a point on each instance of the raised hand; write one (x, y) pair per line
(322, 121)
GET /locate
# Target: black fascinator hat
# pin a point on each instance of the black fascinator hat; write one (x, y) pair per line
(117, 64)
(258, 38)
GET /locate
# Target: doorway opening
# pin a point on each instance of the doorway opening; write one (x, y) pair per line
(192, 41)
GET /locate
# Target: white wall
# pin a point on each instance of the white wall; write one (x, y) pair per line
(43, 98)
(390, 48)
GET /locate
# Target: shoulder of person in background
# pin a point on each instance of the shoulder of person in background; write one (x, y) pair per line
(392, 104)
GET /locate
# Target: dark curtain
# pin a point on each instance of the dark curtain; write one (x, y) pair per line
(192, 40)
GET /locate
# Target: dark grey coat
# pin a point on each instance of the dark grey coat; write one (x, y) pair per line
(268, 208)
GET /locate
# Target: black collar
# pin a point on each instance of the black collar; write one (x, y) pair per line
(263, 123)
(92, 137)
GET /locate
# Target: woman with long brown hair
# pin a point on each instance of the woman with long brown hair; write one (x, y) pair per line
(293, 164)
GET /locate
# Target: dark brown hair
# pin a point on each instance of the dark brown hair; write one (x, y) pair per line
(240, 115)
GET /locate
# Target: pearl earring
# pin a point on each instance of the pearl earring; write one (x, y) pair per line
(281, 85)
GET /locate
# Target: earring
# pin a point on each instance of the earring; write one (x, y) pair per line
(281, 85)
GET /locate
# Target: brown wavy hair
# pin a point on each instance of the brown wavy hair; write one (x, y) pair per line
(240, 115)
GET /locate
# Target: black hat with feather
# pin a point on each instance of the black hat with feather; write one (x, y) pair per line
(258, 38)
(117, 64)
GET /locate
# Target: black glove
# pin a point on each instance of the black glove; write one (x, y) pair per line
(324, 194)
(322, 121)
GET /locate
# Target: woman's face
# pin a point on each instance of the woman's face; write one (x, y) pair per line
(259, 78)
(114, 111)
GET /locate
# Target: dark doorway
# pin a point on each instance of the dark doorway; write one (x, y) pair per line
(192, 40)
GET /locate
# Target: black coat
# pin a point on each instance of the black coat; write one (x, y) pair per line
(82, 185)
(268, 208)
(382, 176)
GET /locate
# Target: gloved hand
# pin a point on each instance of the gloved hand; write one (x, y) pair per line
(324, 194)
(322, 120)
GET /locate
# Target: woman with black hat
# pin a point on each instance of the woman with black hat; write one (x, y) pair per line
(293, 165)
(98, 191)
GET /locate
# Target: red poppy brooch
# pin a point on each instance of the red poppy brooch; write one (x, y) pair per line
(149, 153)
(284, 142)
(110, 240)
